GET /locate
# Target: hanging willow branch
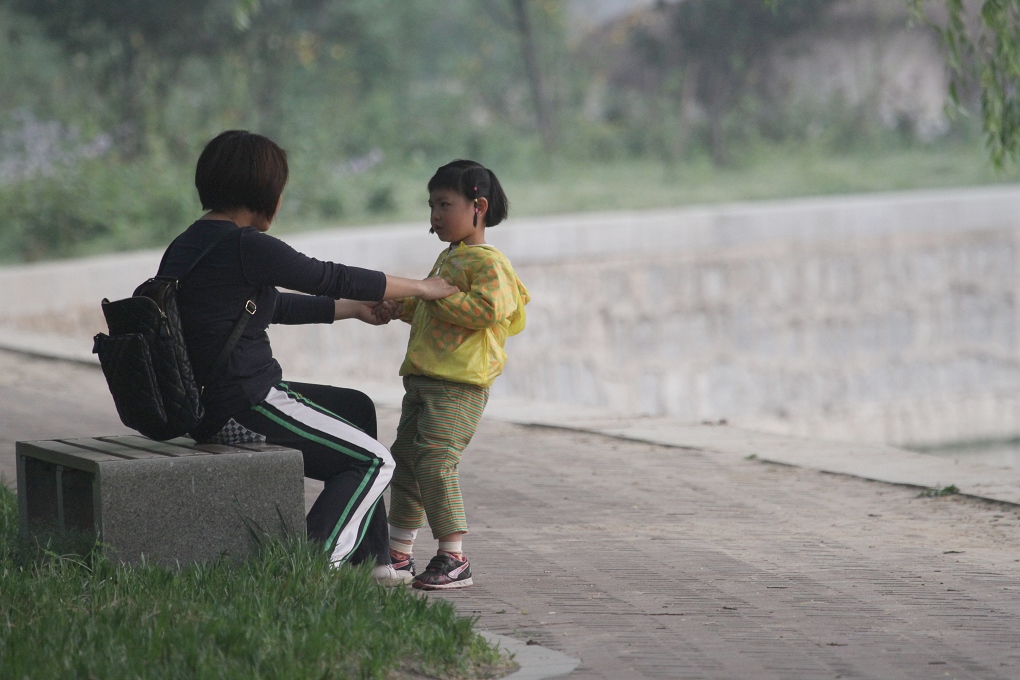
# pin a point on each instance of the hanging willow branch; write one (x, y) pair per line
(986, 52)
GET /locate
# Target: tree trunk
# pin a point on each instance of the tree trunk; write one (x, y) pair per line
(719, 95)
(529, 50)
(132, 133)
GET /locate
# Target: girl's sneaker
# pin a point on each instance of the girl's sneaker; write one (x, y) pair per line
(444, 572)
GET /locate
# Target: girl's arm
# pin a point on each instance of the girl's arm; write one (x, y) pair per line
(402, 309)
(491, 299)
(407, 309)
(388, 310)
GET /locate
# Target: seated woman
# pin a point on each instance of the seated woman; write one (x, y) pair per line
(240, 179)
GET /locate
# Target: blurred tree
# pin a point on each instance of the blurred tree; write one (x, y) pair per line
(261, 54)
(529, 50)
(314, 49)
(138, 48)
(720, 46)
(518, 16)
(983, 48)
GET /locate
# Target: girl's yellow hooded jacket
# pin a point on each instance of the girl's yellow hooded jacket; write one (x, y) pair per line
(461, 338)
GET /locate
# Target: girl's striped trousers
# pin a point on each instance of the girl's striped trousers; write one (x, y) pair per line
(437, 420)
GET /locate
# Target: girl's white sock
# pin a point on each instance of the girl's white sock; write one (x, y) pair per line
(402, 540)
(455, 547)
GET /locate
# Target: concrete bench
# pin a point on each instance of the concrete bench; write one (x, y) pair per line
(166, 502)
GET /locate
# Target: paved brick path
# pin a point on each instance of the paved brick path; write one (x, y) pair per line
(653, 562)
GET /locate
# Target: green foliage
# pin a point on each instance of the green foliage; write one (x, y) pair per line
(939, 491)
(733, 31)
(95, 206)
(131, 56)
(986, 51)
(284, 614)
(720, 48)
(107, 106)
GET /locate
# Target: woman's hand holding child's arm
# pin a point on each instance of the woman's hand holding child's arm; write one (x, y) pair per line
(380, 313)
(432, 288)
(388, 310)
(363, 311)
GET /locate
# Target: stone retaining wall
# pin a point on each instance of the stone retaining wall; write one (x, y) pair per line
(886, 318)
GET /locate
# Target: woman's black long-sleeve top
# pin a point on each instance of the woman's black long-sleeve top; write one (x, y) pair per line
(213, 296)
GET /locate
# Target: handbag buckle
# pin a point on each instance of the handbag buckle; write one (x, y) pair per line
(250, 307)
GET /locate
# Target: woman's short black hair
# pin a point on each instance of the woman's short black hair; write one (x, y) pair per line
(241, 169)
(473, 180)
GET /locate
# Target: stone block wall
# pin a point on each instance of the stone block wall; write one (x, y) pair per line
(848, 339)
(885, 318)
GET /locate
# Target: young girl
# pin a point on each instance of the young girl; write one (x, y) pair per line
(454, 354)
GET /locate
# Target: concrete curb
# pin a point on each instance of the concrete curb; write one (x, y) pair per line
(867, 461)
(873, 462)
(536, 662)
(48, 346)
(884, 464)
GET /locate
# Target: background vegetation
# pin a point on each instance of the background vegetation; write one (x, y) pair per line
(107, 105)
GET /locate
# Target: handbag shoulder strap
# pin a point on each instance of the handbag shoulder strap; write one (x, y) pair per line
(202, 255)
(220, 364)
(221, 361)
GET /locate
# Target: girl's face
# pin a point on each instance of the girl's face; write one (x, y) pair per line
(453, 217)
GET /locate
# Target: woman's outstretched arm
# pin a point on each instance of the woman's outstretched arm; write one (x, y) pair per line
(354, 309)
(432, 288)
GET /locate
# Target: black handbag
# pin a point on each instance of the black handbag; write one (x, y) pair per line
(146, 362)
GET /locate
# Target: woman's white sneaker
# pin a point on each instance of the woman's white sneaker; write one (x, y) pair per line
(386, 575)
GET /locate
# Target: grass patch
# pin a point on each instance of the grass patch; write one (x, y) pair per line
(104, 205)
(937, 491)
(767, 171)
(283, 614)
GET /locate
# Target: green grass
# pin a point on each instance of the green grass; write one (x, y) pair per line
(763, 172)
(284, 614)
(939, 491)
(106, 205)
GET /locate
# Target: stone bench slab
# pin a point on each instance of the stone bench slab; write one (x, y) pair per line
(166, 502)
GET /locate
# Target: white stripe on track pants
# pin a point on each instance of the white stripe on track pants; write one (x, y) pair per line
(355, 467)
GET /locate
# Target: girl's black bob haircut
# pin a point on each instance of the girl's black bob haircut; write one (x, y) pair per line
(473, 180)
(241, 169)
